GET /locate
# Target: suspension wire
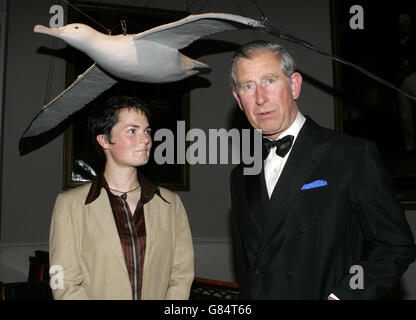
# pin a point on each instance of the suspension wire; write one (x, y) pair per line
(124, 20)
(263, 16)
(50, 74)
(123, 26)
(291, 38)
(189, 6)
(83, 13)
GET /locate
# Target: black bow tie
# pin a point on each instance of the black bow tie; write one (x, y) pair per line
(282, 146)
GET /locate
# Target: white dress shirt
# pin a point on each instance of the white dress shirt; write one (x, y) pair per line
(274, 164)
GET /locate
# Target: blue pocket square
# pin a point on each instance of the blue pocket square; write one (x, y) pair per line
(315, 184)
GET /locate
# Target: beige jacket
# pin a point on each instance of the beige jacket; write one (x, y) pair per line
(84, 241)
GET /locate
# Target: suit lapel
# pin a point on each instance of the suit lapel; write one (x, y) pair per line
(101, 210)
(308, 150)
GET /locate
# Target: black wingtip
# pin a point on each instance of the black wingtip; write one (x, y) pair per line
(28, 144)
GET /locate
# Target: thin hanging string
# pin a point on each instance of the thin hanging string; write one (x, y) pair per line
(124, 19)
(50, 74)
(93, 20)
(189, 6)
(123, 26)
(263, 16)
(288, 37)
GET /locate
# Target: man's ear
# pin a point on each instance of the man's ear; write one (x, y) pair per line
(102, 141)
(295, 84)
(237, 97)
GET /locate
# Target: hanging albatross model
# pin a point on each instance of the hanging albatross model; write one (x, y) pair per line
(151, 56)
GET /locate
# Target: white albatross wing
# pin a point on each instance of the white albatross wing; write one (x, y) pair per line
(83, 90)
(181, 33)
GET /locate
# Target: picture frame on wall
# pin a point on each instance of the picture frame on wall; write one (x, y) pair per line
(364, 107)
(168, 103)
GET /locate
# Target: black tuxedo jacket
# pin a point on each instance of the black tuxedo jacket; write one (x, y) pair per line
(332, 208)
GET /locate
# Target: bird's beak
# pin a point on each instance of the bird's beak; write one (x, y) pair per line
(55, 32)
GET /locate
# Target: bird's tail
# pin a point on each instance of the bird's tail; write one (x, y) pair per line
(189, 64)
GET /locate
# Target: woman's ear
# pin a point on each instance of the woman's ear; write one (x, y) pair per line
(102, 141)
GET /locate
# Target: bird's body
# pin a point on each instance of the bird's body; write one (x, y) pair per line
(123, 56)
(115, 54)
(127, 56)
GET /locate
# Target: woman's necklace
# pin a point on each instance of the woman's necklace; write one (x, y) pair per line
(124, 194)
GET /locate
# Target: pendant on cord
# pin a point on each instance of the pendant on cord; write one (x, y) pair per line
(124, 194)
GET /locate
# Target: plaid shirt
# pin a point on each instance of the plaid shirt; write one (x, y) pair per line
(131, 228)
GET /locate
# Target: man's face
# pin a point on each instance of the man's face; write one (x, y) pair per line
(264, 93)
(131, 140)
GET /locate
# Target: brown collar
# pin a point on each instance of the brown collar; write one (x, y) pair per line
(147, 192)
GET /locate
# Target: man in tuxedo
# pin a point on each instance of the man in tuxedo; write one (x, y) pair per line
(321, 220)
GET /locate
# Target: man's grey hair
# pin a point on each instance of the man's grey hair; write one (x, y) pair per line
(287, 64)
